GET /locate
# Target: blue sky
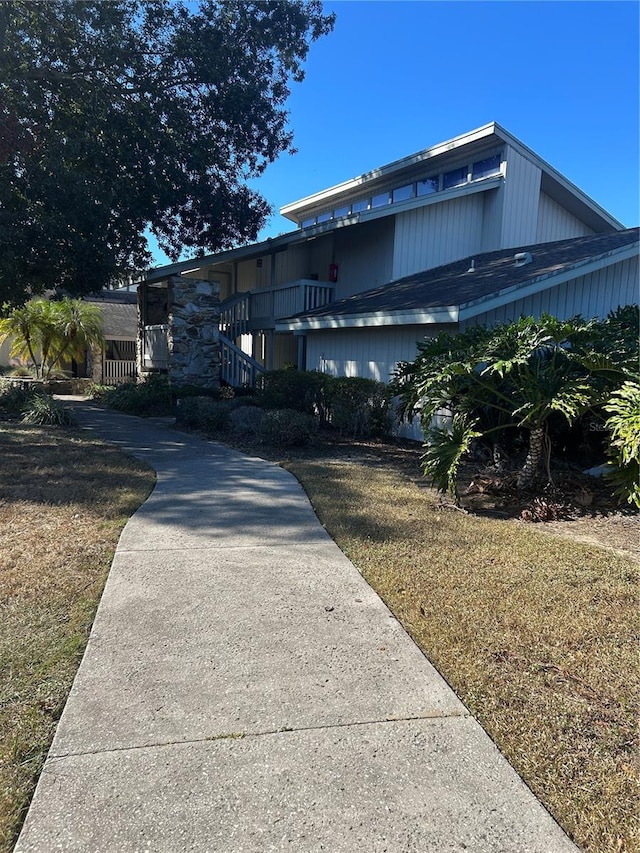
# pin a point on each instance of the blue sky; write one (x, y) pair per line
(395, 77)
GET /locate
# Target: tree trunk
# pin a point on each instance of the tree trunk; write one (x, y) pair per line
(534, 457)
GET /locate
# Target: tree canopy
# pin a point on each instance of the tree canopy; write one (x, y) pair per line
(138, 114)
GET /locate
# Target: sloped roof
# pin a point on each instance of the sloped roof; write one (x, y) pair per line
(441, 293)
(119, 313)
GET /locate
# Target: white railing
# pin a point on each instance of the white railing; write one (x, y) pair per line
(115, 371)
(236, 367)
(259, 309)
(234, 315)
(156, 347)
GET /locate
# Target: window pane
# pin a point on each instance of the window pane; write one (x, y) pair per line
(324, 217)
(430, 185)
(402, 193)
(363, 204)
(341, 211)
(306, 223)
(490, 166)
(379, 200)
(455, 178)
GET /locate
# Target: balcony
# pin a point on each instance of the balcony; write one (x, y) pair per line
(155, 347)
(258, 310)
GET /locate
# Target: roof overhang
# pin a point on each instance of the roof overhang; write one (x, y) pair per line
(324, 198)
(416, 317)
(548, 280)
(457, 313)
(553, 183)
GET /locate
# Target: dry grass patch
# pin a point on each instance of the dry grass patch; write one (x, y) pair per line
(536, 634)
(63, 502)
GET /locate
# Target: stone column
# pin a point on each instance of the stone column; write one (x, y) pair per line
(194, 344)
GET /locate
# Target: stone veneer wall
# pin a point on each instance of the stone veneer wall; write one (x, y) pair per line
(194, 344)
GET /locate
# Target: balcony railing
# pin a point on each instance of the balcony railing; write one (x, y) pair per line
(115, 371)
(236, 367)
(259, 309)
(156, 347)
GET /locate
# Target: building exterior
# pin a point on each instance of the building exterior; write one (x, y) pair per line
(376, 263)
(116, 361)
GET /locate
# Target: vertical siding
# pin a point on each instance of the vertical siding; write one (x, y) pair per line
(285, 350)
(369, 352)
(493, 203)
(521, 199)
(364, 254)
(292, 264)
(251, 276)
(556, 223)
(438, 234)
(592, 295)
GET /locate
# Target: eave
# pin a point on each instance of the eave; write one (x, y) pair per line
(464, 311)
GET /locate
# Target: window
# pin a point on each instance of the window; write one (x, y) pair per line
(483, 168)
(363, 204)
(402, 193)
(307, 223)
(428, 186)
(324, 217)
(341, 211)
(380, 200)
(454, 178)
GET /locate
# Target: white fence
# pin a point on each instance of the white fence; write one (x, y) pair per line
(115, 371)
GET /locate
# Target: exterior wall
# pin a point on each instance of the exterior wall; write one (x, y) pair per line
(438, 234)
(371, 352)
(556, 223)
(364, 254)
(285, 350)
(521, 200)
(592, 295)
(293, 264)
(251, 276)
(5, 358)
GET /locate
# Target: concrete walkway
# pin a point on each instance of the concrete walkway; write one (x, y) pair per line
(244, 689)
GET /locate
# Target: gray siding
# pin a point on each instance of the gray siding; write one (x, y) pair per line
(364, 254)
(438, 234)
(371, 352)
(292, 264)
(556, 223)
(592, 295)
(521, 198)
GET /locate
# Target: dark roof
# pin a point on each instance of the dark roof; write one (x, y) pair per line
(125, 297)
(453, 284)
(119, 310)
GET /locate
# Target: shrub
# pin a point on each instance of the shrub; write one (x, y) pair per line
(206, 413)
(624, 449)
(14, 397)
(213, 415)
(287, 428)
(246, 420)
(43, 410)
(21, 371)
(301, 390)
(359, 406)
(150, 398)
